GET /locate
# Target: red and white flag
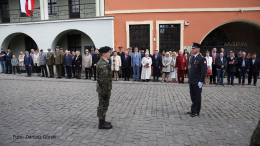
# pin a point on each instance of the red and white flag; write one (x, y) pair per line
(27, 6)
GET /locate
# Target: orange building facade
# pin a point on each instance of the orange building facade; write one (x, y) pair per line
(173, 25)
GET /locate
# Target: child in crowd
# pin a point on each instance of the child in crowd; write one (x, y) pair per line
(15, 64)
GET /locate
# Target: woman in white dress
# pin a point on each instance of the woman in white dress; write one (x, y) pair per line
(115, 64)
(146, 67)
(21, 62)
(166, 65)
(209, 67)
(173, 68)
(36, 62)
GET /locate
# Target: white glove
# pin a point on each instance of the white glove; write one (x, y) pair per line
(200, 84)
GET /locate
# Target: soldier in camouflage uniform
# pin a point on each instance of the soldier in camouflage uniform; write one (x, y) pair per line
(104, 86)
(255, 139)
(50, 61)
(58, 62)
(62, 60)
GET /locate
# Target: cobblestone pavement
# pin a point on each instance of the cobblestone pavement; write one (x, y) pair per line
(141, 113)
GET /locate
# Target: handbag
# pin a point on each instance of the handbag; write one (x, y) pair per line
(209, 71)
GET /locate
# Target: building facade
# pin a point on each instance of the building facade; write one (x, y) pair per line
(174, 25)
(73, 25)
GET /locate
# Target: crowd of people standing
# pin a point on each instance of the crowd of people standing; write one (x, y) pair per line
(139, 64)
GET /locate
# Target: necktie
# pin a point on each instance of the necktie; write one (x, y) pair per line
(214, 58)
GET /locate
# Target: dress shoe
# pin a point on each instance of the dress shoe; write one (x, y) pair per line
(138, 80)
(124, 79)
(195, 115)
(133, 80)
(232, 84)
(157, 80)
(190, 112)
(210, 82)
(153, 80)
(249, 84)
(227, 83)
(223, 84)
(254, 84)
(127, 79)
(94, 80)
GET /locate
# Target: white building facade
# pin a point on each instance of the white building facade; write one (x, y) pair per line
(73, 25)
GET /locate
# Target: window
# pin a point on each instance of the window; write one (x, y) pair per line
(74, 42)
(52, 5)
(139, 36)
(169, 37)
(5, 11)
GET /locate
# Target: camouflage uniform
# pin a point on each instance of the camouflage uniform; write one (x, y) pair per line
(50, 61)
(58, 63)
(255, 139)
(105, 74)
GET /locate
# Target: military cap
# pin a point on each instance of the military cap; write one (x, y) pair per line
(104, 49)
(195, 45)
(49, 49)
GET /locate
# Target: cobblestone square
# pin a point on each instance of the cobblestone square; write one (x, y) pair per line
(143, 114)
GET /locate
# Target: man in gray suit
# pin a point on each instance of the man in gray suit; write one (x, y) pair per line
(43, 63)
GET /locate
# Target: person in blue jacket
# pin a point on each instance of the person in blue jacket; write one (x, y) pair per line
(2, 60)
(27, 63)
(67, 63)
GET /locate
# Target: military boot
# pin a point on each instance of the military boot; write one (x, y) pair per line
(104, 125)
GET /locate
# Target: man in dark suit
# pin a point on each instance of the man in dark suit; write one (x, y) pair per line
(27, 63)
(214, 56)
(126, 65)
(156, 65)
(197, 74)
(67, 63)
(221, 66)
(224, 53)
(8, 61)
(231, 67)
(121, 54)
(95, 59)
(243, 67)
(254, 69)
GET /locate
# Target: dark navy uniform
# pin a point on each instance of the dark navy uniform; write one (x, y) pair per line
(197, 73)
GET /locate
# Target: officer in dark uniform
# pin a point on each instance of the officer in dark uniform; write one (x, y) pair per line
(104, 86)
(197, 73)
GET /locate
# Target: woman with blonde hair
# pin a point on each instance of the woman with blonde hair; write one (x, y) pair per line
(36, 63)
(21, 62)
(166, 63)
(209, 67)
(173, 67)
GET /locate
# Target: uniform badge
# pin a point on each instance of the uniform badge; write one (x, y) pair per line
(205, 62)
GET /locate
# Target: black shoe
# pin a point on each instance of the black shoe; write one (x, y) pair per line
(217, 84)
(57, 78)
(94, 80)
(254, 84)
(249, 84)
(232, 84)
(227, 83)
(67, 78)
(124, 79)
(223, 84)
(86, 78)
(195, 115)
(190, 112)
(42, 76)
(104, 125)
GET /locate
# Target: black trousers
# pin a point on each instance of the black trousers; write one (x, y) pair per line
(44, 70)
(73, 70)
(156, 73)
(250, 77)
(126, 72)
(32, 66)
(214, 73)
(195, 95)
(95, 71)
(8, 66)
(37, 68)
(88, 72)
(68, 70)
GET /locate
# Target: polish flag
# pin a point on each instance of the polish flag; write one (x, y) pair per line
(27, 6)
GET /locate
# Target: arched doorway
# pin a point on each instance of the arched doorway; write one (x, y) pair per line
(73, 40)
(235, 36)
(18, 42)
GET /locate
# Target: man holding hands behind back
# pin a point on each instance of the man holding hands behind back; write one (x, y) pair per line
(104, 86)
(197, 75)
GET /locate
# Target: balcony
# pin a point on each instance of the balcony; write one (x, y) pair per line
(11, 13)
